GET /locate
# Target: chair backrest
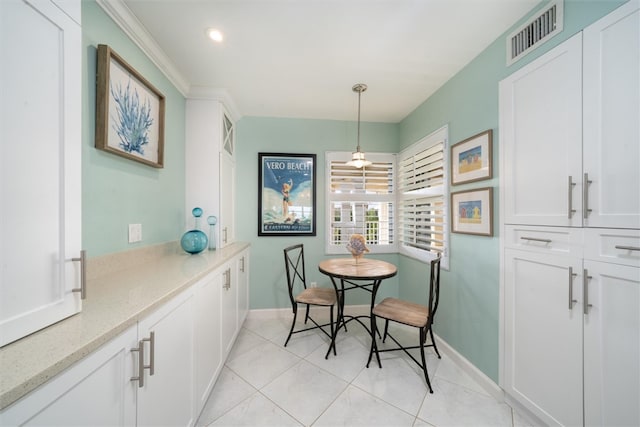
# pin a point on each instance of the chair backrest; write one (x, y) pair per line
(294, 266)
(434, 287)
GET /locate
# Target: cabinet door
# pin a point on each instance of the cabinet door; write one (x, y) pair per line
(611, 118)
(40, 125)
(612, 345)
(541, 138)
(229, 307)
(208, 352)
(243, 287)
(543, 345)
(167, 395)
(227, 199)
(97, 391)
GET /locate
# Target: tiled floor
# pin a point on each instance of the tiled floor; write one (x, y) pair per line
(266, 384)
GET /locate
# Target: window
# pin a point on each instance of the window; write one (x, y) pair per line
(361, 201)
(423, 220)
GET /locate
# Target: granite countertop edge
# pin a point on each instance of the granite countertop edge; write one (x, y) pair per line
(116, 300)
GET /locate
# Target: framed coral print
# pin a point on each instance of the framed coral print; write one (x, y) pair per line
(471, 159)
(129, 111)
(286, 194)
(471, 212)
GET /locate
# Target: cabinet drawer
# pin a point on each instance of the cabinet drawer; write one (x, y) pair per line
(561, 240)
(613, 245)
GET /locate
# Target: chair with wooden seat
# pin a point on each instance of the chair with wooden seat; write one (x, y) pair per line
(411, 314)
(299, 293)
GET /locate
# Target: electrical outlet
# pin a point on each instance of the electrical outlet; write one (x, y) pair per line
(314, 284)
(135, 233)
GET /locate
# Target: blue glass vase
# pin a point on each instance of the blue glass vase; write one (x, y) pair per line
(194, 241)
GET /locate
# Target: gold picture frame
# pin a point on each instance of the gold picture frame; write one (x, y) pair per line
(129, 111)
(471, 159)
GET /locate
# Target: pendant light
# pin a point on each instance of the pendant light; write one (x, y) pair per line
(357, 157)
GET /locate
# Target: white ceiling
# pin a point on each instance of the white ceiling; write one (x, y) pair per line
(300, 58)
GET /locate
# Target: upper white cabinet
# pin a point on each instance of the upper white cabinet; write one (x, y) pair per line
(570, 123)
(541, 118)
(40, 165)
(611, 118)
(210, 165)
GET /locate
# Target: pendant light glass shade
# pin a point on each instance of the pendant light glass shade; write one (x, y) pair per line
(357, 157)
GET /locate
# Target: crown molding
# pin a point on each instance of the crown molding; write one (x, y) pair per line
(127, 21)
(220, 95)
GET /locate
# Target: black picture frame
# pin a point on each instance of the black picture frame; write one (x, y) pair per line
(286, 194)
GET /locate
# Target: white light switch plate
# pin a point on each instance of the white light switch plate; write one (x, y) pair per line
(135, 233)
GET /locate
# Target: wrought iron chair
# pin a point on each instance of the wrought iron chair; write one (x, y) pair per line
(411, 314)
(300, 294)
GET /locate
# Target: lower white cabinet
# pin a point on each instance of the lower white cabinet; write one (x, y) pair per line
(158, 372)
(572, 324)
(96, 391)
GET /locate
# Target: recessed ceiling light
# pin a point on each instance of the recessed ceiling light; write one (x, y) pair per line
(214, 34)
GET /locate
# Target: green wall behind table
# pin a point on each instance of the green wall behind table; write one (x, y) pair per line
(254, 135)
(468, 317)
(116, 191)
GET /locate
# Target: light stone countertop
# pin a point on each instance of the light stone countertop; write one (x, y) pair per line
(121, 289)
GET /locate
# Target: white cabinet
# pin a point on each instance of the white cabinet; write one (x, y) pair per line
(571, 120)
(242, 267)
(40, 126)
(571, 227)
(208, 355)
(210, 164)
(229, 307)
(97, 391)
(166, 398)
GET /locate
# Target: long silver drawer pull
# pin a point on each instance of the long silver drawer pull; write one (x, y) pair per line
(571, 300)
(585, 196)
(83, 274)
(140, 351)
(585, 291)
(152, 352)
(242, 268)
(535, 239)
(224, 235)
(570, 195)
(628, 248)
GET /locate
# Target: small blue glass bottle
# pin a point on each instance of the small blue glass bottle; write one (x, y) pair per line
(194, 241)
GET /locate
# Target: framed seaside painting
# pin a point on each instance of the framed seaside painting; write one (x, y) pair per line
(471, 212)
(471, 159)
(129, 111)
(286, 194)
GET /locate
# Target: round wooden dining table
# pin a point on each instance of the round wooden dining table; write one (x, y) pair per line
(349, 273)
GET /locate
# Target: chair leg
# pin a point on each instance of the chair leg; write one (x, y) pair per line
(435, 347)
(306, 315)
(333, 333)
(293, 324)
(423, 337)
(386, 329)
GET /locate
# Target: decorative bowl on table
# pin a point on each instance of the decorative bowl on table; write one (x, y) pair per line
(357, 246)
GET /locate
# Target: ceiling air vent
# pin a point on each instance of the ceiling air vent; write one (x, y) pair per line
(538, 29)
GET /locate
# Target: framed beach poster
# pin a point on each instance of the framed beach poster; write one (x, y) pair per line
(129, 111)
(471, 159)
(471, 212)
(286, 194)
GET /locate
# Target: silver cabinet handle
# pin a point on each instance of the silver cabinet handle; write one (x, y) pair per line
(628, 248)
(535, 239)
(140, 351)
(152, 352)
(224, 235)
(585, 196)
(227, 279)
(242, 267)
(570, 196)
(571, 300)
(585, 291)
(83, 274)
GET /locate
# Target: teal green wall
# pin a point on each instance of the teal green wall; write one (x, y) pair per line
(468, 314)
(254, 135)
(117, 191)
